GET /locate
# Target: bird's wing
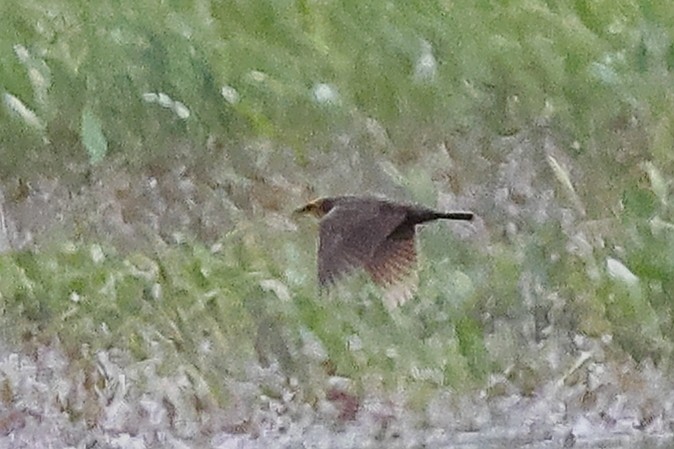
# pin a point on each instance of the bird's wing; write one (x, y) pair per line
(350, 237)
(393, 266)
(395, 258)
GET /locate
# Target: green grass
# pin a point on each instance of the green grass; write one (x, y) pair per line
(205, 310)
(82, 72)
(216, 312)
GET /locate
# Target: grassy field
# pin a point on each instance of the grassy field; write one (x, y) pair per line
(552, 120)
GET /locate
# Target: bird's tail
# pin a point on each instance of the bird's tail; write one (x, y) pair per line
(418, 216)
(453, 215)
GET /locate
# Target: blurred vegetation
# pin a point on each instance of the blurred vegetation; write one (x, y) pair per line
(297, 72)
(89, 82)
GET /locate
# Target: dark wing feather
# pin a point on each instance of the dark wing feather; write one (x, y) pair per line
(395, 258)
(350, 236)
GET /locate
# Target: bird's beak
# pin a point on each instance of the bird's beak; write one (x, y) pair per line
(312, 208)
(301, 211)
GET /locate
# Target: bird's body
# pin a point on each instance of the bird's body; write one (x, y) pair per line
(370, 233)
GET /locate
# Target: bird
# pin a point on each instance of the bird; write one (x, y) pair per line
(374, 234)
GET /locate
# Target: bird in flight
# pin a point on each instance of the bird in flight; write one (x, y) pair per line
(371, 234)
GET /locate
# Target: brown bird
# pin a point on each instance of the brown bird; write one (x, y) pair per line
(373, 234)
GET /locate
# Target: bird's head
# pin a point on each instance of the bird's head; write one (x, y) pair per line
(318, 208)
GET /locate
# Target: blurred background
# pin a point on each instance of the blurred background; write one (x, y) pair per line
(156, 292)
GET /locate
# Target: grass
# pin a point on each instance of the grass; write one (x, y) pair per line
(219, 310)
(86, 84)
(208, 310)
(77, 73)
